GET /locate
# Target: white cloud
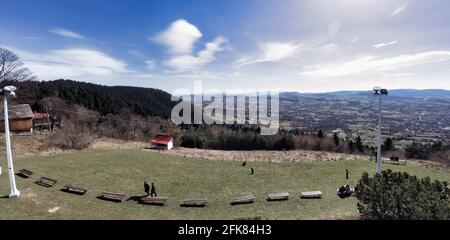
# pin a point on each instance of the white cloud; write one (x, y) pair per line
(272, 52)
(66, 33)
(180, 37)
(399, 9)
(150, 64)
(72, 63)
(191, 62)
(373, 64)
(135, 53)
(334, 27)
(380, 45)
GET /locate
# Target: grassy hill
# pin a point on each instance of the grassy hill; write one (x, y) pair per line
(178, 178)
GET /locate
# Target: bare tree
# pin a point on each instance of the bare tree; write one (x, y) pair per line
(11, 68)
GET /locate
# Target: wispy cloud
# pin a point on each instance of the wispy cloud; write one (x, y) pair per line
(399, 9)
(271, 52)
(194, 62)
(32, 38)
(66, 33)
(373, 64)
(180, 38)
(135, 53)
(380, 45)
(151, 65)
(71, 63)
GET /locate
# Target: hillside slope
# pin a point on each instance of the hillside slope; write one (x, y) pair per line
(103, 99)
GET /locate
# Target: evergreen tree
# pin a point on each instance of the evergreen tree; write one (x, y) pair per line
(400, 196)
(388, 144)
(417, 151)
(336, 139)
(359, 144)
(351, 146)
(320, 134)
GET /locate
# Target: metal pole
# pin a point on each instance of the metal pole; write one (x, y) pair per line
(379, 137)
(12, 180)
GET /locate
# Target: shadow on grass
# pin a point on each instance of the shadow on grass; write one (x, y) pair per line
(22, 175)
(241, 203)
(136, 198)
(192, 206)
(109, 200)
(72, 192)
(277, 200)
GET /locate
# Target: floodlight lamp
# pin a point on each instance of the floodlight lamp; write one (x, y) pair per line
(376, 90)
(10, 88)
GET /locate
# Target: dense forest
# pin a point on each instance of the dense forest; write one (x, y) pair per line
(99, 98)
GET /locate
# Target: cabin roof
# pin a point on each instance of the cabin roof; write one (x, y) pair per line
(39, 116)
(161, 139)
(21, 111)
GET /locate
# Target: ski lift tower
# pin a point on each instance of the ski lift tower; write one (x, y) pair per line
(9, 91)
(377, 91)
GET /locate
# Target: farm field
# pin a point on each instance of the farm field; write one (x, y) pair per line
(177, 178)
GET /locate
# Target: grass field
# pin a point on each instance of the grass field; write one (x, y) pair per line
(178, 178)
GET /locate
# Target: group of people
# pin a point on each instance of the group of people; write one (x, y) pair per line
(150, 190)
(345, 191)
(252, 170)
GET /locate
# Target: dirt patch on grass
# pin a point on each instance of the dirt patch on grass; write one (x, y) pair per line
(53, 210)
(30, 195)
(262, 156)
(107, 143)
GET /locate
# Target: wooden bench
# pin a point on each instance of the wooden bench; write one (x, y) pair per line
(311, 194)
(199, 202)
(243, 200)
(112, 196)
(75, 189)
(277, 196)
(154, 200)
(46, 182)
(25, 172)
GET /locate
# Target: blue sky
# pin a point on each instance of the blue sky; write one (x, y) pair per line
(288, 45)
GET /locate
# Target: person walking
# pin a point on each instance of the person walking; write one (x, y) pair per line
(146, 188)
(346, 173)
(153, 191)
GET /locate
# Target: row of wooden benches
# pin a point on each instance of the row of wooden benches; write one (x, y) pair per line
(199, 202)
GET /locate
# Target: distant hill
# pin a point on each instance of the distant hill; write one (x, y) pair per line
(103, 99)
(404, 93)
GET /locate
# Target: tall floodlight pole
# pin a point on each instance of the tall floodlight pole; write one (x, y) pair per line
(377, 91)
(9, 90)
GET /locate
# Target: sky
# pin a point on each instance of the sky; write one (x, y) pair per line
(285, 45)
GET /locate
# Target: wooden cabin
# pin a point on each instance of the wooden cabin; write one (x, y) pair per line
(20, 119)
(163, 142)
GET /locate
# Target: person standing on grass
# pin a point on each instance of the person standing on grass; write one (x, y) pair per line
(153, 191)
(346, 173)
(146, 188)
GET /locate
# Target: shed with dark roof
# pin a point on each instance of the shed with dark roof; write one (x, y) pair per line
(20, 119)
